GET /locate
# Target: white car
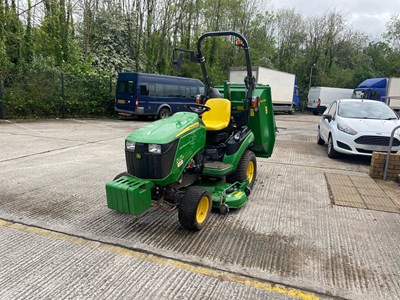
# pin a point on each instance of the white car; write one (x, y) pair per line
(358, 126)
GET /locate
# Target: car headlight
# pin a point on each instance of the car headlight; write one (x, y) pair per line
(155, 148)
(130, 146)
(346, 129)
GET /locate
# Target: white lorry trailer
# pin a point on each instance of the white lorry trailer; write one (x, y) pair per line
(320, 97)
(283, 85)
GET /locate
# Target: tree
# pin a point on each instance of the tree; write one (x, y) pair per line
(111, 51)
(392, 35)
(4, 60)
(13, 33)
(289, 36)
(27, 46)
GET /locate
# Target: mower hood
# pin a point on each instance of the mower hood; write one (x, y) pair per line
(166, 130)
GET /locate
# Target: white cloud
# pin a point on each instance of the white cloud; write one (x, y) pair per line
(368, 16)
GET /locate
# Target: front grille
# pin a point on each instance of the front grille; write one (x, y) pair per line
(376, 140)
(143, 164)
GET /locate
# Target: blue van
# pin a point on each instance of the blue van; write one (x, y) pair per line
(140, 94)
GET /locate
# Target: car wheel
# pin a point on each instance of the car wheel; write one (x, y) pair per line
(319, 140)
(164, 113)
(315, 113)
(332, 153)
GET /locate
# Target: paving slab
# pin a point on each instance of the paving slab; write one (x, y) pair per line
(360, 192)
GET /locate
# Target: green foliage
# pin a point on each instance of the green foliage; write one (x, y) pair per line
(111, 51)
(33, 93)
(112, 36)
(27, 45)
(393, 32)
(12, 33)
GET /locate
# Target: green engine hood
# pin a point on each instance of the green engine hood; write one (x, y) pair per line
(166, 130)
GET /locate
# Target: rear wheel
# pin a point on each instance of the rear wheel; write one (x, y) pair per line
(315, 113)
(247, 169)
(332, 153)
(163, 113)
(194, 209)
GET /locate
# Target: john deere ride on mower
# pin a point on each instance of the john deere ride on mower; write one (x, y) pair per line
(197, 160)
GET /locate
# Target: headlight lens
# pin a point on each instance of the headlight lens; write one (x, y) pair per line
(154, 148)
(130, 146)
(346, 129)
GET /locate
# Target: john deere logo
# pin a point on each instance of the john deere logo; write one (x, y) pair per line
(138, 156)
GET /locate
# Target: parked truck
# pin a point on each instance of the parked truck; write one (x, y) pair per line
(380, 89)
(320, 97)
(284, 90)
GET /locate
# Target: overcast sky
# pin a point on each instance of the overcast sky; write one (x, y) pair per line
(368, 16)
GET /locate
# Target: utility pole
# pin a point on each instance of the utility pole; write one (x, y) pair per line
(309, 83)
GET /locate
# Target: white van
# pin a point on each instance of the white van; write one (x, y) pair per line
(320, 97)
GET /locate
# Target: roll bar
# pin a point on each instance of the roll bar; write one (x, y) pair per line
(249, 81)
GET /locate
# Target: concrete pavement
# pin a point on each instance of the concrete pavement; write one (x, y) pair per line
(52, 175)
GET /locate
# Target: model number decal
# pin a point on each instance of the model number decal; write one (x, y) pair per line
(179, 161)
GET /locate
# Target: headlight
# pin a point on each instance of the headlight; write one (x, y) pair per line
(346, 129)
(130, 146)
(154, 148)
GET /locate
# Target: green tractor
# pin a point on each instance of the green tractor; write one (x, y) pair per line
(202, 159)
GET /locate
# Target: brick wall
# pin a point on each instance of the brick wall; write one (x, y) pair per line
(378, 162)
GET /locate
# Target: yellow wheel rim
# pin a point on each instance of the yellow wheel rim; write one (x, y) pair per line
(202, 209)
(250, 171)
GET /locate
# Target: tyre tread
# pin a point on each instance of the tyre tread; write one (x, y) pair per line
(188, 208)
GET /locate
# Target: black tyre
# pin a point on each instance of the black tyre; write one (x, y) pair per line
(247, 168)
(315, 113)
(194, 209)
(163, 113)
(120, 175)
(319, 140)
(332, 153)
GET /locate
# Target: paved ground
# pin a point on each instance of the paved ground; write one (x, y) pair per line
(52, 176)
(361, 192)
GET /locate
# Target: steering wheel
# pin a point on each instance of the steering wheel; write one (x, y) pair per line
(197, 108)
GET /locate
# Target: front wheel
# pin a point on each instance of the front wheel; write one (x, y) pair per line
(247, 169)
(121, 175)
(194, 209)
(332, 153)
(320, 141)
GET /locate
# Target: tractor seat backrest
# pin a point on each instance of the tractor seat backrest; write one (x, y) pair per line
(219, 115)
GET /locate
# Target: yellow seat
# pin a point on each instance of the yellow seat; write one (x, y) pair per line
(219, 115)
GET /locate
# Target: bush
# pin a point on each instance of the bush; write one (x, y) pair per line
(38, 94)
